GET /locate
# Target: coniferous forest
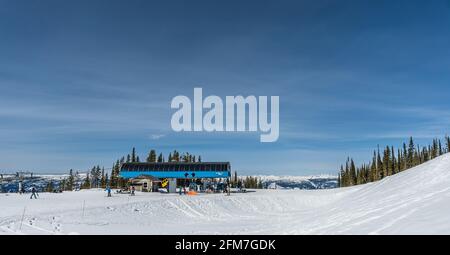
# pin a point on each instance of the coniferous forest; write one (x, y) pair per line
(389, 161)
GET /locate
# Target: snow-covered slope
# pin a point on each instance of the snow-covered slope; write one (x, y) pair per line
(416, 201)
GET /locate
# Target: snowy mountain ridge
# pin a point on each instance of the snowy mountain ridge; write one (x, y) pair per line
(323, 181)
(294, 178)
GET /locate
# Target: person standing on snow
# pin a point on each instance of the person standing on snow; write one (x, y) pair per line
(132, 190)
(108, 189)
(33, 193)
(20, 188)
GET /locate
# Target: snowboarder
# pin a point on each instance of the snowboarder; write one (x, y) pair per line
(132, 190)
(108, 189)
(33, 193)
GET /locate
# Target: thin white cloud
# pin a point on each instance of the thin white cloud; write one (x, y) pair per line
(157, 136)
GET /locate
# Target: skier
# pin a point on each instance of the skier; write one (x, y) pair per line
(108, 189)
(20, 188)
(179, 190)
(33, 193)
(132, 190)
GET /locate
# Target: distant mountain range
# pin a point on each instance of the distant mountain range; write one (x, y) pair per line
(10, 183)
(299, 182)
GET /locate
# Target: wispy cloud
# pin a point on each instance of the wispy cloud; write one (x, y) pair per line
(157, 136)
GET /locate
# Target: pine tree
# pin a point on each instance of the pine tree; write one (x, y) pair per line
(49, 187)
(359, 178)
(399, 161)
(410, 157)
(95, 176)
(352, 173)
(416, 158)
(387, 162)
(199, 158)
(379, 166)
(373, 171)
(87, 182)
(116, 172)
(433, 149)
(187, 157)
(365, 174)
(160, 158)
(405, 157)
(133, 155)
(63, 184)
(151, 156)
(260, 184)
(107, 181)
(426, 155)
(113, 179)
(393, 162)
(98, 176)
(174, 157)
(78, 183)
(70, 181)
(103, 179)
(448, 143)
(373, 168)
(347, 173)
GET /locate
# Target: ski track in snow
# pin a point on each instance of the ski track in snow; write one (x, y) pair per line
(412, 202)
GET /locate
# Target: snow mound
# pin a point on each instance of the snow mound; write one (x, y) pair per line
(416, 201)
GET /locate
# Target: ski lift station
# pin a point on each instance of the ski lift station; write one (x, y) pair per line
(197, 176)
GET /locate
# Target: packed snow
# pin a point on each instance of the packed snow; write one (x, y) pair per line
(416, 201)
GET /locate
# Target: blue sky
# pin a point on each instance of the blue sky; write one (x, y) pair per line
(82, 82)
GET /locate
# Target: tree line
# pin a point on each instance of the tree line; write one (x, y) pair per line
(390, 161)
(251, 182)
